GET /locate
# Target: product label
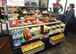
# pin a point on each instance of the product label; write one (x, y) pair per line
(4, 27)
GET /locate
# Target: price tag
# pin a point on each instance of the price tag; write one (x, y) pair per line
(13, 22)
(4, 27)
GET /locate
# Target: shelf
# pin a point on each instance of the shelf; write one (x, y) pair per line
(35, 50)
(32, 7)
(62, 30)
(25, 43)
(34, 25)
(53, 34)
(34, 47)
(58, 40)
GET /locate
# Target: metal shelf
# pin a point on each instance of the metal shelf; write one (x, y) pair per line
(54, 42)
(57, 41)
(34, 25)
(35, 50)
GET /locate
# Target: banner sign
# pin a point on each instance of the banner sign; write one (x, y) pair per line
(15, 2)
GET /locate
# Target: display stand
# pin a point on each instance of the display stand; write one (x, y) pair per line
(46, 42)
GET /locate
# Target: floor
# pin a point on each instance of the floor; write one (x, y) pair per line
(67, 47)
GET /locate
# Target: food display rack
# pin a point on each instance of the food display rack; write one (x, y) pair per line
(17, 49)
(46, 41)
(35, 25)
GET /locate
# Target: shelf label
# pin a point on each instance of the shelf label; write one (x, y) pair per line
(15, 3)
(4, 27)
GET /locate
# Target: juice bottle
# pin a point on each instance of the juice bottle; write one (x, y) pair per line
(26, 31)
(29, 36)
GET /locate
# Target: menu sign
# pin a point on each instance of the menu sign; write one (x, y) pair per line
(0, 3)
(15, 2)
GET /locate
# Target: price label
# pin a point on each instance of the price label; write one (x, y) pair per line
(4, 27)
(13, 22)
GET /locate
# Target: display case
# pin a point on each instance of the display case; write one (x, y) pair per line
(29, 26)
